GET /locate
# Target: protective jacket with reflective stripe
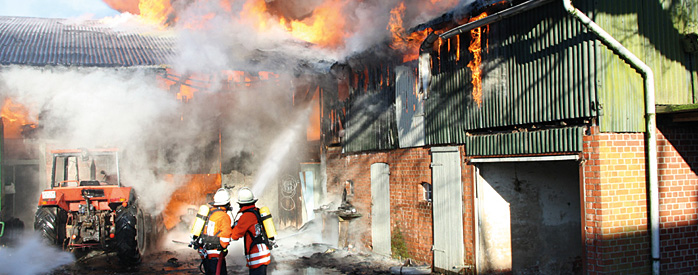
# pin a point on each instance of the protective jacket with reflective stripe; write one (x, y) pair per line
(257, 254)
(218, 225)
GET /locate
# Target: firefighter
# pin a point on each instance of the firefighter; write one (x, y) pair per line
(216, 234)
(257, 252)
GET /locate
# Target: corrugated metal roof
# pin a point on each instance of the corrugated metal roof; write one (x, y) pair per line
(49, 41)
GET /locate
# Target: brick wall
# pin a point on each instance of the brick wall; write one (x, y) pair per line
(615, 215)
(616, 210)
(678, 189)
(409, 211)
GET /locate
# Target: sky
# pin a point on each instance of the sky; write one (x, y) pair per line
(88, 9)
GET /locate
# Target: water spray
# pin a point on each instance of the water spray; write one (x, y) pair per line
(279, 151)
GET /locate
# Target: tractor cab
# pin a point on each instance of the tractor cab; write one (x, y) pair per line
(76, 168)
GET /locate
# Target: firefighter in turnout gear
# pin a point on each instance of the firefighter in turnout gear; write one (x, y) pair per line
(248, 225)
(216, 234)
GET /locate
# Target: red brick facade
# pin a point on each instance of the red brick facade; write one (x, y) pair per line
(678, 189)
(615, 203)
(616, 217)
(409, 210)
(613, 190)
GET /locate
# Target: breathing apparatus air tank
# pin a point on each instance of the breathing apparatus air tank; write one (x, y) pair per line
(268, 223)
(200, 221)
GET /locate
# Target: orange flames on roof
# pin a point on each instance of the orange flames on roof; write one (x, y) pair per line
(476, 49)
(324, 27)
(15, 118)
(406, 43)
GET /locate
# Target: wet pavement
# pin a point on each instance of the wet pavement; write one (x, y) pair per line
(291, 257)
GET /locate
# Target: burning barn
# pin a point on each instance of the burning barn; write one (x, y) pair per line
(501, 136)
(523, 139)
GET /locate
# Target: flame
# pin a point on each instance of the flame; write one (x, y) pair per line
(406, 43)
(130, 6)
(15, 119)
(192, 193)
(314, 131)
(476, 49)
(324, 27)
(156, 11)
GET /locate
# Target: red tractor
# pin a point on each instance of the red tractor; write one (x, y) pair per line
(88, 208)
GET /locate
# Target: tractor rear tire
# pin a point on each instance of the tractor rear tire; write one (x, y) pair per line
(50, 221)
(127, 235)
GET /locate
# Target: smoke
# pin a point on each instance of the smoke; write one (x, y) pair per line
(32, 256)
(215, 36)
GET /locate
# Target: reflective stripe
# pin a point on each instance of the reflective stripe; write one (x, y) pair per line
(213, 251)
(263, 256)
(258, 254)
(227, 240)
(260, 261)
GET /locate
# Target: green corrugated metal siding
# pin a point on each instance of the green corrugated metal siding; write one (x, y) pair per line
(665, 23)
(562, 140)
(652, 30)
(371, 123)
(538, 68)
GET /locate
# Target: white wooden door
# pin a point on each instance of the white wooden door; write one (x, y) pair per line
(448, 209)
(380, 208)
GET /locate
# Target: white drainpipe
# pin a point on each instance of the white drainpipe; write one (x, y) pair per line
(650, 124)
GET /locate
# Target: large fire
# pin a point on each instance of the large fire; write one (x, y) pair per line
(403, 42)
(15, 118)
(327, 24)
(476, 49)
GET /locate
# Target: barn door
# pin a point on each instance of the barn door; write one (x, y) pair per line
(448, 209)
(380, 208)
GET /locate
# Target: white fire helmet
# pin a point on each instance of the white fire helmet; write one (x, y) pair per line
(245, 196)
(222, 197)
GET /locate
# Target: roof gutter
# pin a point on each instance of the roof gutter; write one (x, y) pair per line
(650, 123)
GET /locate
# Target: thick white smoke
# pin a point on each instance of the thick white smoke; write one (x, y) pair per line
(32, 256)
(128, 109)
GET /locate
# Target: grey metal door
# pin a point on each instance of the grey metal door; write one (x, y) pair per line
(448, 209)
(380, 208)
